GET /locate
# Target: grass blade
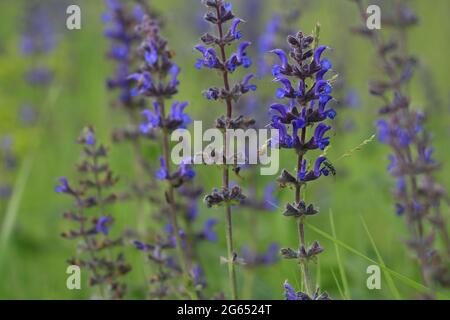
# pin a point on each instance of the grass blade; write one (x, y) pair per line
(338, 285)
(346, 294)
(13, 205)
(389, 280)
(411, 283)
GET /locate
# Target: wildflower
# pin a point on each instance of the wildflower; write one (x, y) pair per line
(64, 186)
(209, 60)
(237, 34)
(402, 130)
(246, 86)
(93, 192)
(218, 14)
(283, 67)
(208, 232)
(157, 79)
(292, 122)
(102, 225)
(239, 58)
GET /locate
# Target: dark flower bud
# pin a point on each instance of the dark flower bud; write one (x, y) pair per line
(226, 16)
(209, 39)
(286, 179)
(288, 253)
(217, 198)
(213, 93)
(239, 122)
(307, 41)
(314, 249)
(210, 17)
(321, 296)
(291, 40)
(210, 3)
(298, 210)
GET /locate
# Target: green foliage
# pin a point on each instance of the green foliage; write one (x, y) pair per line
(32, 254)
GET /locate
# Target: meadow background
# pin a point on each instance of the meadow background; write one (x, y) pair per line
(32, 253)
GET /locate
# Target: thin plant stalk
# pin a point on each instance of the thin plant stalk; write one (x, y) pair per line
(226, 173)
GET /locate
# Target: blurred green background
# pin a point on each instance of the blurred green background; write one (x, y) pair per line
(32, 254)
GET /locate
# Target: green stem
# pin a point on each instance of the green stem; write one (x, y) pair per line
(309, 286)
(231, 268)
(225, 178)
(173, 211)
(301, 228)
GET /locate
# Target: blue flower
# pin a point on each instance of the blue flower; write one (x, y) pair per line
(151, 54)
(318, 53)
(400, 209)
(90, 138)
(162, 173)
(233, 30)
(325, 66)
(266, 42)
(318, 170)
(428, 152)
(176, 114)
(152, 119)
(403, 136)
(285, 140)
(197, 276)
(322, 88)
(174, 72)
(289, 292)
(211, 93)
(277, 69)
(239, 58)
(144, 81)
(288, 90)
(119, 52)
(138, 13)
(323, 101)
(383, 131)
(297, 124)
(302, 173)
(281, 109)
(64, 186)
(208, 232)
(209, 60)
(319, 140)
(142, 246)
(185, 170)
(271, 255)
(352, 99)
(246, 86)
(169, 229)
(393, 163)
(228, 6)
(102, 225)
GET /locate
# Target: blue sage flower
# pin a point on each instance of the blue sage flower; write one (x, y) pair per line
(239, 58)
(102, 225)
(306, 109)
